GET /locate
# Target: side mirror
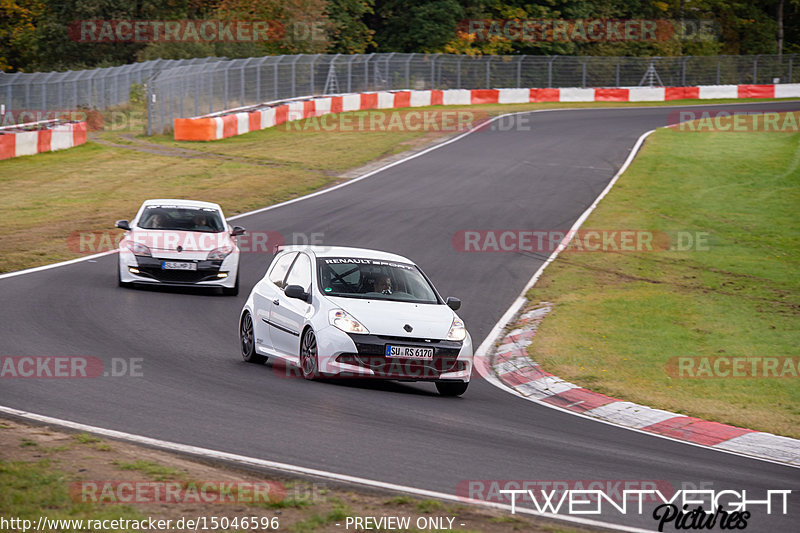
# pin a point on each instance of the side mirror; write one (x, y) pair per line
(237, 230)
(453, 303)
(296, 291)
(123, 224)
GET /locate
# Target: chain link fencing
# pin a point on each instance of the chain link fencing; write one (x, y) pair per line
(195, 87)
(28, 95)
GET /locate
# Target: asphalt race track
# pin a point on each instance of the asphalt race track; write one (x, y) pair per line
(196, 390)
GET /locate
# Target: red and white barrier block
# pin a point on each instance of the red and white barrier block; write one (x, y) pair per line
(48, 136)
(229, 123)
(514, 368)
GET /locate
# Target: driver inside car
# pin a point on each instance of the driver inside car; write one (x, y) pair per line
(383, 284)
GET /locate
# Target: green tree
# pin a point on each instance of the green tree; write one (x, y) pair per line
(416, 25)
(349, 33)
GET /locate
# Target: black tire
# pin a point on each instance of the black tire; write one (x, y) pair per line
(309, 362)
(233, 291)
(247, 341)
(452, 388)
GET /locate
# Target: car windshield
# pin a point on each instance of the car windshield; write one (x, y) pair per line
(182, 219)
(376, 279)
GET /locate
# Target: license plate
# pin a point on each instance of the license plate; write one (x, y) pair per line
(409, 352)
(178, 265)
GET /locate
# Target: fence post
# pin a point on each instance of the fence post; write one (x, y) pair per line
(181, 86)
(241, 82)
(408, 78)
(366, 72)
(197, 96)
(350, 73)
(294, 79)
(103, 93)
(44, 91)
(488, 73)
(619, 61)
(519, 71)
(791, 57)
(149, 95)
(275, 79)
(311, 68)
(719, 69)
(458, 71)
(755, 68)
(550, 72)
(683, 72)
(27, 104)
(388, 84)
(259, 98)
(225, 88)
(583, 72)
(161, 110)
(211, 80)
(60, 104)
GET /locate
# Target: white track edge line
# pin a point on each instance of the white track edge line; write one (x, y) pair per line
(241, 459)
(482, 353)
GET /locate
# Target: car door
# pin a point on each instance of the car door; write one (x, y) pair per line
(287, 315)
(265, 294)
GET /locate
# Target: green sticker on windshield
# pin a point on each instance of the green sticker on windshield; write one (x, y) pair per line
(328, 289)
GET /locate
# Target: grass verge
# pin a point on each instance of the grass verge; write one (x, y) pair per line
(619, 318)
(61, 476)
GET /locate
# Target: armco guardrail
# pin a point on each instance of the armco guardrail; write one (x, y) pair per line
(37, 137)
(243, 120)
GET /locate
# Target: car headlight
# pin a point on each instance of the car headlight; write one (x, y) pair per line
(457, 331)
(219, 254)
(345, 321)
(139, 249)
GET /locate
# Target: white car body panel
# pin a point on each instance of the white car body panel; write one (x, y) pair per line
(163, 244)
(279, 321)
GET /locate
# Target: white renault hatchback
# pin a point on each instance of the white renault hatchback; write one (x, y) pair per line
(350, 312)
(179, 243)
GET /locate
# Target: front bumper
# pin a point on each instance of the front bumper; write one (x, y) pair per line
(149, 271)
(365, 356)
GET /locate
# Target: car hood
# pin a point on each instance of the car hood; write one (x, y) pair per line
(189, 241)
(427, 321)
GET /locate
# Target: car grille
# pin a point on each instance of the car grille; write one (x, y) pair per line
(206, 271)
(372, 354)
